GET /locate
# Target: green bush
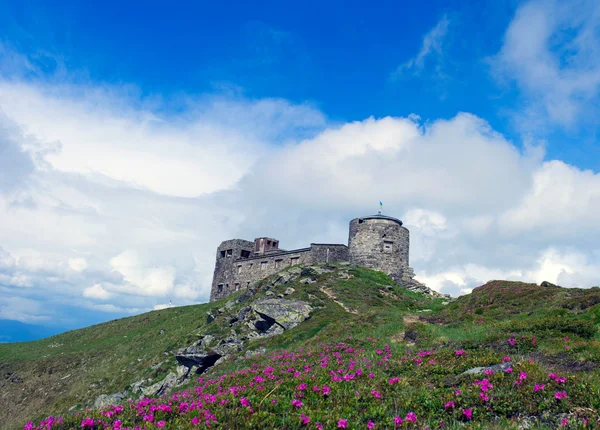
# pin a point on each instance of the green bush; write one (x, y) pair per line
(580, 327)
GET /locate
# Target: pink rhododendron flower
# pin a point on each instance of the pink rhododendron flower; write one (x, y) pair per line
(448, 405)
(376, 394)
(297, 403)
(319, 426)
(459, 352)
(411, 417)
(468, 413)
(509, 370)
(195, 421)
(397, 421)
(342, 424)
(560, 395)
(305, 419)
(160, 424)
(457, 392)
(505, 359)
(88, 422)
(538, 387)
(370, 425)
(244, 401)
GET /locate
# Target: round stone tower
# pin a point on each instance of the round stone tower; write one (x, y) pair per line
(381, 243)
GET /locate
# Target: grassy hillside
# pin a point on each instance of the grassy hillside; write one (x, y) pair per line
(370, 356)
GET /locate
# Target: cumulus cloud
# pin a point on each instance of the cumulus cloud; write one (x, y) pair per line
(123, 201)
(552, 51)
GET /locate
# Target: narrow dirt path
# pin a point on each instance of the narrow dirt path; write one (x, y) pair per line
(332, 296)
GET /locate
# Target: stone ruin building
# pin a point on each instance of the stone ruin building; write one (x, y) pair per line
(376, 242)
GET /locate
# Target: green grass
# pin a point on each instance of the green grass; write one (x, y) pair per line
(556, 328)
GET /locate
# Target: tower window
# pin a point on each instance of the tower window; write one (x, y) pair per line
(229, 252)
(237, 286)
(245, 254)
(240, 268)
(223, 253)
(277, 264)
(388, 246)
(263, 265)
(220, 288)
(294, 260)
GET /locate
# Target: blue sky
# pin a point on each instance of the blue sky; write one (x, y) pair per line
(136, 136)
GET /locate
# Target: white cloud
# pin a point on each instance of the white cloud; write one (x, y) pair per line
(97, 292)
(552, 51)
(430, 48)
(121, 237)
(78, 264)
(24, 310)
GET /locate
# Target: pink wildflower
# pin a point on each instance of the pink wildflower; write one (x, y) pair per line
(538, 387)
(195, 421)
(319, 426)
(509, 370)
(560, 395)
(376, 394)
(326, 390)
(342, 424)
(297, 403)
(449, 405)
(459, 352)
(244, 401)
(410, 417)
(564, 422)
(160, 424)
(89, 422)
(484, 397)
(370, 425)
(457, 392)
(305, 419)
(505, 359)
(397, 421)
(468, 413)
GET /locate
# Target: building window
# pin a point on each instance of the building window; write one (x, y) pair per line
(237, 286)
(294, 260)
(240, 268)
(223, 253)
(245, 254)
(220, 288)
(263, 265)
(388, 246)
(278, 264)
(250, 266)
(226, 287)
(229, 252)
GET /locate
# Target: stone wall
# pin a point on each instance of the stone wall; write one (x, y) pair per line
(235, 272)
(380, 243)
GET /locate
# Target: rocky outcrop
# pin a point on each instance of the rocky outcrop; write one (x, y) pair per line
(407, 281)
(260, 319)
(108, 400)
(285, 313)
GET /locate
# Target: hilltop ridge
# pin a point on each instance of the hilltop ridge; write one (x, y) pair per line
(416, 348)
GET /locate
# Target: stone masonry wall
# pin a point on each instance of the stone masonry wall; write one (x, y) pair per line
(234, 273)
(367, 243)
